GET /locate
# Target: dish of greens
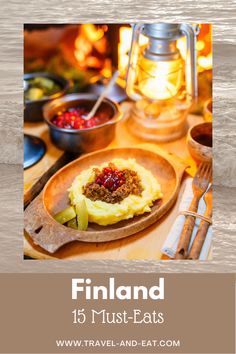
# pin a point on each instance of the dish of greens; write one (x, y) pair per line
(40, 87)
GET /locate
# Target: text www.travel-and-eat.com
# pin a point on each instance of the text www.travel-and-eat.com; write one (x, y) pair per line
(170, 343)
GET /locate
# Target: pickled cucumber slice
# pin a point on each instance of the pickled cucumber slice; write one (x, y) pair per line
(65, 215)
(35, 93)
(72, 223)
(44, 82)
(82, 215)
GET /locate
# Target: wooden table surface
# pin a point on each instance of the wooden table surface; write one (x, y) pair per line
(143, 245)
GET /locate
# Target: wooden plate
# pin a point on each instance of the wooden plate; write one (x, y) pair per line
(50, 235)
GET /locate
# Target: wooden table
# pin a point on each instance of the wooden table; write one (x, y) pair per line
(143, 245)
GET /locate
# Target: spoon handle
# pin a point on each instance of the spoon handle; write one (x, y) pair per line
(104, 93)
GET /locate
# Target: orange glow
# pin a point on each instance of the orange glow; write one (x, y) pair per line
(107, 69)
(182, 46)
(82, 49)
(89, 41)
(92, 33)
(123, 49)
(203, 47)
(160, 80)
(200, 45)
(205, 62)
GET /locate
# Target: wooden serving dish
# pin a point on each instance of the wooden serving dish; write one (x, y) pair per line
(50, 235)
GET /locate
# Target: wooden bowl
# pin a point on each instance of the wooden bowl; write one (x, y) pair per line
(199, 142)
(207, 111)
(51, 235)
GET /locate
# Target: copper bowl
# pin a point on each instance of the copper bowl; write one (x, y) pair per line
(82, 140)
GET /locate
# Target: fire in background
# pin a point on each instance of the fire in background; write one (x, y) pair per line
(76, 52)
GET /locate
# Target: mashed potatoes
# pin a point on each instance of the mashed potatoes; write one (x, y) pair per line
(104, 213)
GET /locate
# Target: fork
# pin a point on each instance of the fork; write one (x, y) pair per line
(203, 228)
(199, 186)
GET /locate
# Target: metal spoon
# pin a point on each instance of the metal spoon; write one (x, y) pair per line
(25, 85)
(101, 97)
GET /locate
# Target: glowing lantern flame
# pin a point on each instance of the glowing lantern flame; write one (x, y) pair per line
(160, 80)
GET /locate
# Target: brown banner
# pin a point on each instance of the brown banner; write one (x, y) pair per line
(183, 313)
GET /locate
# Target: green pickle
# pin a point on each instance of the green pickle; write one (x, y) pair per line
(65, 215)
(72, 224)
(44, 82)
(82, 215)
(35, 93)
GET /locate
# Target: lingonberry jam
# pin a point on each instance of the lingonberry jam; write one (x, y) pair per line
(111, 185)
(73, 118)
(110, 178)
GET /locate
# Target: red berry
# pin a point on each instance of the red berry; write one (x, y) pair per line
(73, 118)
(110, 178)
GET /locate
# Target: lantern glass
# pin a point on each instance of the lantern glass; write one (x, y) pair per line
(160, 80)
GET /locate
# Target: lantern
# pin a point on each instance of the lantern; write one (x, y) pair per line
(160, 81)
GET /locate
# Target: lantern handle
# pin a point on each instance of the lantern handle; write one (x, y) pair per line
(136, 30)
(130, 76)
(191, 61)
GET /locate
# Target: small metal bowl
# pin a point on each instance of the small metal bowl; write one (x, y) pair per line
(33, 109)
(82, 140)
